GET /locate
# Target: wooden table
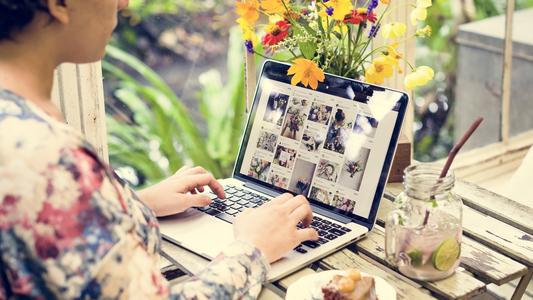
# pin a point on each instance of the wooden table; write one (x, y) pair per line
(497, 248)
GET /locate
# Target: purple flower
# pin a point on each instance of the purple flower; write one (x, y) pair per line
(325, 1)
(329, 11)
(372, 5)
(373, 31)
(249, 46)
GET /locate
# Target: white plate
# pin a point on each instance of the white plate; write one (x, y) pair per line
(310, 287)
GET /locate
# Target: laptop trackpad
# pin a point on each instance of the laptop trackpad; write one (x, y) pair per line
(198, 232)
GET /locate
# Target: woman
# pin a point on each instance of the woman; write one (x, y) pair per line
(69, 228)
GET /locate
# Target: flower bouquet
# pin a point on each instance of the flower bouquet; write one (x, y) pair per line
(334, 36)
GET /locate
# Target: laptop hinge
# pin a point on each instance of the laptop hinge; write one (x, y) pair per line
(261, 189)
(331, 215)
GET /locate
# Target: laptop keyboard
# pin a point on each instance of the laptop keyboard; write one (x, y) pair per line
(239, 199)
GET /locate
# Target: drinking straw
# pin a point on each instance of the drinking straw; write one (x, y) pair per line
(459, 145)
(451, 157)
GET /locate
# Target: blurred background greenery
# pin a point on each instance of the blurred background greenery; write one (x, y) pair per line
(175, 73)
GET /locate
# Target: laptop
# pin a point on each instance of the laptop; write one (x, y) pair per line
(334, 145)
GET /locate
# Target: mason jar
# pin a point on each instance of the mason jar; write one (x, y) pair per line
(423, 233)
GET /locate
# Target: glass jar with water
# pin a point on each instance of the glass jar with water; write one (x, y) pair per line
(423, 233)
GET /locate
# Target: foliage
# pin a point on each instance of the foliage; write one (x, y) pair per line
(334, 36)
(163, 136)
(434, 137)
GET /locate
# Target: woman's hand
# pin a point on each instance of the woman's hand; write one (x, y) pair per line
(272, 226)
(181, 191)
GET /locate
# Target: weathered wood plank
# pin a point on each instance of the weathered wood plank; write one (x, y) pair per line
(496, 206)
(346, 259)
(488, 265)
(287, 281)
(267, 294)
(493, 233)
(184, 259)
(459, 286)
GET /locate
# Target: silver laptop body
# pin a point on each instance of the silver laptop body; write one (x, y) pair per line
(334, 145)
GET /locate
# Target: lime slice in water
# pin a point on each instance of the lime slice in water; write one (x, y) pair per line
(446, 254)
(416, 257)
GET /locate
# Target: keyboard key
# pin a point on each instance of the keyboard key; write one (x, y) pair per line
(311, 244)
(247, 197)
(330, 237)
(249, 204)
(326, 222)
(322, 233)
(321, 241)
(203, 208)
(236, 206)
(232, 211)
(346, 229)
(234, 198)
(230, 191)
(336, 231)
(317, 218)
(335, 225)
(315, 224)
(300, 250)
(226, 217)
(324, 227)
(243, 202)
(239, 194)
(212, 212)
(255, 200)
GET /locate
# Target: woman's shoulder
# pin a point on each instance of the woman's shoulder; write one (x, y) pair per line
(28, 136)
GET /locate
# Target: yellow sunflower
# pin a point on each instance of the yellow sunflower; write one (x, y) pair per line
(306, 72)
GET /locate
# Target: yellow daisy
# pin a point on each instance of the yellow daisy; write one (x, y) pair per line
(380, 69)
(274, 6)
(421, 76)
(306, 72)
(393, 30)
(340, 8)
(248, 10)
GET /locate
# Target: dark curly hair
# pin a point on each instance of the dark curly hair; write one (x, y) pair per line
(17, 14)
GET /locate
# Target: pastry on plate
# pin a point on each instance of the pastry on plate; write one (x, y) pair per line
(351, 286)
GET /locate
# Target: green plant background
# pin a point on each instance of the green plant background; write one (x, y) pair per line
(155, 132)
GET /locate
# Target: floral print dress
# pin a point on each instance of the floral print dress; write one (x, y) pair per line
(71, 229)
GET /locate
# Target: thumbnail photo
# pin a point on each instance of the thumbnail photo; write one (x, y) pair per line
(312, 140)
(339, 131)
(320, 195)
(267, 141)
(343, 203)
(285, 156)
(302, 176)
(327, 170)
(259, 168)
(365, 125)
(276, 107)
(278, 180)
(320, 113)
(353, 170)
(294, 121)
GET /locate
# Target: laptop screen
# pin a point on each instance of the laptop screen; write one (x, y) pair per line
(333, 144)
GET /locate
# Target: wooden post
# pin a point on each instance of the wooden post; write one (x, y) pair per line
(506, 75)
(249, 79)
(79, 93)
